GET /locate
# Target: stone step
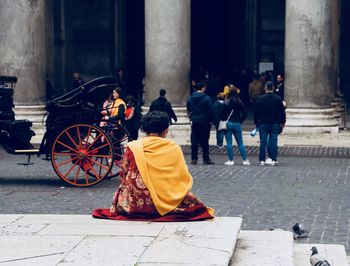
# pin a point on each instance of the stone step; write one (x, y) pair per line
(272, 248)
(83, 240)
(335, 254)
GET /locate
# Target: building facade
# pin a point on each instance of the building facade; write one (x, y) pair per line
(160, 43)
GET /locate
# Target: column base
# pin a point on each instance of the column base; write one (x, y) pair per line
(35, 114)
(312, 121)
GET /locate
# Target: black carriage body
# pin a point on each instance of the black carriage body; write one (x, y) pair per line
(80, 106)
(14, 134)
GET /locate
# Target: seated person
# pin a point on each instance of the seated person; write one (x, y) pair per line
(155, 183)
(113, 108)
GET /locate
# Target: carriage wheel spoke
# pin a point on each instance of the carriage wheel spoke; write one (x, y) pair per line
(99, 136)
(87, 138)
(66, 161)
(102, 156)
(103, 166)
(102, 146)
(86, 175)
(93, 171)
(66, 146)
(63, 153)
(77, 174)
(71, 139)
(70, 169)
(79, 138)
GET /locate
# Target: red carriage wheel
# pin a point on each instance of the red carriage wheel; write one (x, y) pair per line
(82, 155)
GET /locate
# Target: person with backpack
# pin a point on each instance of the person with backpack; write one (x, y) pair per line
(163, 105)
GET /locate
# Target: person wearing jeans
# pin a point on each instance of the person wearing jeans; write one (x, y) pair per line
(235, 129)
(270, 117)
(235, 113)
(268, 138)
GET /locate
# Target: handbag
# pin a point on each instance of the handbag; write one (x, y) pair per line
(223, 123)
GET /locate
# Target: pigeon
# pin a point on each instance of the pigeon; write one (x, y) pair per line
(299, 231)
(316, 259)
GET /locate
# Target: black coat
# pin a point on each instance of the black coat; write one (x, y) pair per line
(269, 109)
(239, 112)
(162, 104)
(200, 108)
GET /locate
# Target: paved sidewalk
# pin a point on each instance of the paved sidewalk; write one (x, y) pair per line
(82, 240)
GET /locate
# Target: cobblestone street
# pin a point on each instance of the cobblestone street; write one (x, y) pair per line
(314, 191)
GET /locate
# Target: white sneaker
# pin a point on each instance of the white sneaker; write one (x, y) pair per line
(268, 161)
(246, 162)
(230, 163)
(274, 163)
(261, 163)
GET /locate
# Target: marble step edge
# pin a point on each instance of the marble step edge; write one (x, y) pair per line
(273, 248)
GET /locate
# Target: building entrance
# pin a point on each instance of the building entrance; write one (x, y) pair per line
(217, 37)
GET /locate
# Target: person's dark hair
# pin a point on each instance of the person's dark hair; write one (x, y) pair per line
(155, 122)
(130, 100)
(118, 89)
(162, 92)
(269, 85)
(200, 85)
(233, 96)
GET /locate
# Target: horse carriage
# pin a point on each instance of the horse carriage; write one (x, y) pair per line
(82, 150)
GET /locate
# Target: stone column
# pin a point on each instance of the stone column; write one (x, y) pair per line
(119, 35)
(308, 66)
(22, 48)
(168, 41)
(251, 33)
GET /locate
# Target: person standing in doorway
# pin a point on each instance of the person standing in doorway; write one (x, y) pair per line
(279, 89)
(201, 112)
(270, 117)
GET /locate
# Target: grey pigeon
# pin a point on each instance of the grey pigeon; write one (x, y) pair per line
(299, 231)
(316, 259)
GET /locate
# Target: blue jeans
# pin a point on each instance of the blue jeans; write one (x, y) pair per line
(268, 137)
(235, 129)
(220, 137)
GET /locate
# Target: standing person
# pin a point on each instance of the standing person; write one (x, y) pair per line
(256, 88)
(201, 112)
(270, 117)
(235, 113)
(78, 80)
(279, 90)
(219, 107)
(163, 105)
(132, 117)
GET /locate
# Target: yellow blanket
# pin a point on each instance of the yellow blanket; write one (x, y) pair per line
(164, 171)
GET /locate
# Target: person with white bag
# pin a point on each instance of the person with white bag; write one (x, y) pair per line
(233, 115)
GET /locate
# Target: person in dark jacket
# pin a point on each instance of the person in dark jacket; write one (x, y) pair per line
(235, 113)
(163, 105)
(201, 113)
(279, 89)
(270, 117)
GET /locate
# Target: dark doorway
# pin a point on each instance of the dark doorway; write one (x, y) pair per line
(217, 36)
